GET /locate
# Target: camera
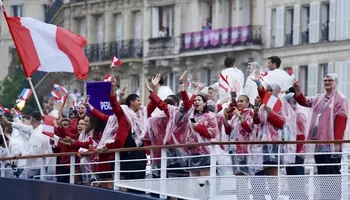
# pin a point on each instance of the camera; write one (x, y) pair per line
(202, 182)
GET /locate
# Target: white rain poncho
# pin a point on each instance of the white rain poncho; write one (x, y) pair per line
(137, 121)
(235, 78)
(326, 110)
(250, 88)
(38, 144)
(269, 132)
(278, 77)
(243, 133)
(108, 135)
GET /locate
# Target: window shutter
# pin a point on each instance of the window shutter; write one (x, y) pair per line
(312, 79)
(296, 25)
(315, 15)
(119, 27)
(339, 71)
(347, 19)
(280, 27)
(155, 22)
(82, 27)
(338, 20)
(100, 25)
(138, 25)
(268, 29)
(332, 17)
(330, 68)
(347, 85)
(296, 72)
(225, 14)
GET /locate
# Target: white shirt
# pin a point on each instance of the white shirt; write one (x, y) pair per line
(38, 143)
(233, 75)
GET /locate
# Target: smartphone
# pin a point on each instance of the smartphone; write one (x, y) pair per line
(233, 94)
(87, 99)
(193, 120)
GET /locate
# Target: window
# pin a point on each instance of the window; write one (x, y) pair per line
(245, 13)
(273, 27)
(80, 24)
(305, 23)
(206, 14)
(205, 76)
(97, 29)
(323, 70)
(324, 21)
(135, 84)
(171, 80)
(289, 26)
(17, 10)
(118, 18)
(138, 24)
(303, 78)
(163, 20)
(226, 13)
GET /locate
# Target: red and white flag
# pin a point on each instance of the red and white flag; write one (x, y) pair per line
(48, 48)
(107, 78)
(291, 73)
(272, 102)
(49, 127)
(116, 62)
(225, 85)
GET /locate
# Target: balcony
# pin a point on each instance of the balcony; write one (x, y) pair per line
(161, 46)
(51, 11)
(219, 38)
(121, 49)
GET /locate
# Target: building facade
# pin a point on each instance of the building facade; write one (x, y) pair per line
(199, 35)
(170, 36)
(312, 37)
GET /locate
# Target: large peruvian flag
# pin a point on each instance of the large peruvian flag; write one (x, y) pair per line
(46, 47)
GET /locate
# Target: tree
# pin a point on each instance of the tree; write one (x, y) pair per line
(13, 84)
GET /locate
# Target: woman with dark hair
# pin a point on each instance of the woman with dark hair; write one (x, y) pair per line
(88, 136)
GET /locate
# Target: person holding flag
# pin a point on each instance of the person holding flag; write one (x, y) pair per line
(277, 122)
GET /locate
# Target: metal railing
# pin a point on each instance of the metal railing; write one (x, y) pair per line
(225, 37)
(161, 46)
(222, 182)
(122, 49)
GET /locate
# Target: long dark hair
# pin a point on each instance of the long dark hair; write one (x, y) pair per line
(205, 99)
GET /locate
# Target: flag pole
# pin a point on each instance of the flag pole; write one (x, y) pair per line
(35, 96)
(3, 137)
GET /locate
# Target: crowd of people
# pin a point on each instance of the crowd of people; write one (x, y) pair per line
(236, 112)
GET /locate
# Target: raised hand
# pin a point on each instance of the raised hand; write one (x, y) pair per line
(256, 78)
(122, 92)
(155, 80)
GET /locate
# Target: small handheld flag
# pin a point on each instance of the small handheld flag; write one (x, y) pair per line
(272, 102)
(25, 94)
(116, 62)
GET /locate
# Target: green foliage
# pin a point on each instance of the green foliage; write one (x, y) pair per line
(13, 84)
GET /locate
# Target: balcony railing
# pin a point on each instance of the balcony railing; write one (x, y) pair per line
(161, 46)
(120, 49)
(212, 39)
